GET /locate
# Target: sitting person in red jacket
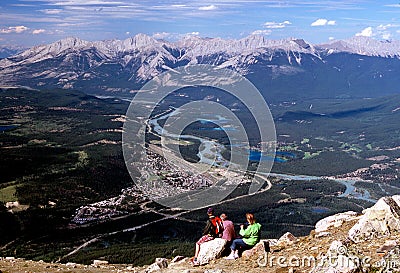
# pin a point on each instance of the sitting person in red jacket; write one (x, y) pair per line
(212, 230)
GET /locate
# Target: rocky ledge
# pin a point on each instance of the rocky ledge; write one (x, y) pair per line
(346, 242)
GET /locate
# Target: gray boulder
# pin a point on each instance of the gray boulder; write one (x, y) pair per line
(99, 263)
(159, 264)
(377, 221)
(287, 239)
(260, 248)
(334, 221)
(211, 250)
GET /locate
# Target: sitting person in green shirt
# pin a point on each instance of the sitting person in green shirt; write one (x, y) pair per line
(250, 237)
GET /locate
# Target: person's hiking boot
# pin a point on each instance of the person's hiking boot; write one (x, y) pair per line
(194, 262)
(231, 257)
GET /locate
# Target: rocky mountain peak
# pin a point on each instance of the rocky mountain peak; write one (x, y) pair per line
(139, 41)
(364, 46)
(253, 41)
(69, 43)
(302, 43)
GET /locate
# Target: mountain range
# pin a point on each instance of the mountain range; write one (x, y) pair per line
(281, 69)
(7, 51)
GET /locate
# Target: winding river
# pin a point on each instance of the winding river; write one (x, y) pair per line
(351, 191)
(208, 147)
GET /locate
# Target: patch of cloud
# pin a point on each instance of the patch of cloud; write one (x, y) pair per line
(85, 3)
(393, 5)
(16, 29)
(269, 26)
(178, 6)
(326, 5)
(384, 32)
(386, 35)
(381, 31)
(51, 11)
(210, 7)
(323, 22)
(22, 5)
(102, 11)
(366, 32)
(276, 25)
(194, 33)
(67, 25)
(184, 36)
(331, 38)
(319, 22)
(262, 32)
(38, 31)
(31, 18)
(385, 27)
(162, 35)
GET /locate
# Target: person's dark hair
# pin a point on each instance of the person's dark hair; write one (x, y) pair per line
(250, 218)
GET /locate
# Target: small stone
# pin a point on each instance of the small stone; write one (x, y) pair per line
(287, 239)
(177, 259)
(160, 263)
(336, 248)
(214, 271)
(99, 262)
(322, 234)
(392, 259)
(258, 249)
(73, 265)
(387, 246)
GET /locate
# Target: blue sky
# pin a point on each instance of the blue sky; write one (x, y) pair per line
(33, 22)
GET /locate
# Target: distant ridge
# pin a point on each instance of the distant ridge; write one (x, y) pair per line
(282, 65)
(364, 46)
(7, 51)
